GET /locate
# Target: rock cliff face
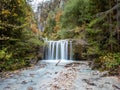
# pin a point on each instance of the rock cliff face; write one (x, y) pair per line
(44, 9)
(79, 49)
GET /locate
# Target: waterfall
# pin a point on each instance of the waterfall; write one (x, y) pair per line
(58, 50)
(70, 50)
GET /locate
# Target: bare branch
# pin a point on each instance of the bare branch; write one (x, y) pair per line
(108, 11)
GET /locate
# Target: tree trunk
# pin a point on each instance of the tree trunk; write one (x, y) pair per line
(118, 20)
(110, 27)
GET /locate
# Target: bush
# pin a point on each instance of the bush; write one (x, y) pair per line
(108, 61)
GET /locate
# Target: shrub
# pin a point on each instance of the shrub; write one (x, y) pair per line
(108, 61)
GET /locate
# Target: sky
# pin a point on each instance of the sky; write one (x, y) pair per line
(34, 4)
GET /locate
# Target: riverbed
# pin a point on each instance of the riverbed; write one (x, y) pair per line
(67, 75)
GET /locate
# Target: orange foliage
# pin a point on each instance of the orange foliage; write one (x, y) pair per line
(57, 27)
(57, 19)
(58, 15)
(34, 28)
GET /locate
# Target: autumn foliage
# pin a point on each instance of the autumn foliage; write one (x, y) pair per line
(16, 37)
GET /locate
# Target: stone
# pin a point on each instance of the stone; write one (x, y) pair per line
(116, 87)
(24, 82)
(30, 88)
(56, 72)
(89, 82)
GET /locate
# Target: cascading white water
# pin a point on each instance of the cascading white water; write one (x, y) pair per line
(70, 50)
(58, 50)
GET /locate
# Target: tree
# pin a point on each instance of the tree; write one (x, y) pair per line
(76, 13)
(16, 37)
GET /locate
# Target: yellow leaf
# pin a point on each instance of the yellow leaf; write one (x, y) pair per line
(5, 12)
(15, 14)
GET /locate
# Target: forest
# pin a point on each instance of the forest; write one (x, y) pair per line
(18, 42)
(95, 21)
(91, 26)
